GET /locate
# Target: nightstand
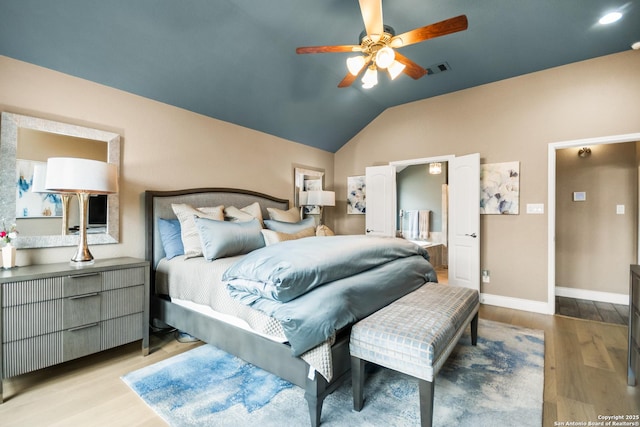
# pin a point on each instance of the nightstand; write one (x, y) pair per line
(53, 313)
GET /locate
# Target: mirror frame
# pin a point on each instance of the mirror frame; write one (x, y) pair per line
(11, 123)
(298, 182)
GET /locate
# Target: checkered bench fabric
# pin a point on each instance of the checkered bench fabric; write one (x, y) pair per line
(414, 335)
(410, 334)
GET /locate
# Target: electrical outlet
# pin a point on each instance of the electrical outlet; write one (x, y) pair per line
(486, 278)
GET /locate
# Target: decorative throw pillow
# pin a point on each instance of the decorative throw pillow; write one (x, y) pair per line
(189, 232)
(272, 237)
(292, 215)
(224, 238)
(289, 227)
(323, 230)
(245, 214)
(170, 237)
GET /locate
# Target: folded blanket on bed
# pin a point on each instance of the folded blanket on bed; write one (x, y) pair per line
(289, 269)
(317, 285)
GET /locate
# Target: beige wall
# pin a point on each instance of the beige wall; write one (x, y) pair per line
(511, 120)
(163, 148)
(594, 245)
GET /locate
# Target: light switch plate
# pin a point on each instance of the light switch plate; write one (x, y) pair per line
(535, 208)
(620, 209)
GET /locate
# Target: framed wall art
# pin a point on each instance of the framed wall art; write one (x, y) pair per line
(500, 188)
(356, 195)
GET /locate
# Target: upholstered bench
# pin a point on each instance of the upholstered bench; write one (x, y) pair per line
(414, 335)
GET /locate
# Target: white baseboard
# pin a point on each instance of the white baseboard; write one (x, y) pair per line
(517, 303)
(609, 297)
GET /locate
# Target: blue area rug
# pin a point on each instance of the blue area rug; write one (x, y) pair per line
(497, 383)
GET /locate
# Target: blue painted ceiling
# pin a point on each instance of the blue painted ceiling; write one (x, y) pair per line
(235, 60)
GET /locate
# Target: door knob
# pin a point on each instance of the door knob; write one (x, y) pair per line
(474, 235)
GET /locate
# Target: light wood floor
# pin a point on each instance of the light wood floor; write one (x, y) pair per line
(585, 376)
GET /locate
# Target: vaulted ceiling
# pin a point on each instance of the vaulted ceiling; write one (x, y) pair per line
(236, 60)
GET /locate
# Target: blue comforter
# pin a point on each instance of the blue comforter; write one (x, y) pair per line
(318, 285)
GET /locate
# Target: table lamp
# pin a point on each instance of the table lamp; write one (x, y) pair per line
(82, 177)
(319, 198)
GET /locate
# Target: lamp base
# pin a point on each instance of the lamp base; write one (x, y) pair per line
(80, 264)
(83, 256)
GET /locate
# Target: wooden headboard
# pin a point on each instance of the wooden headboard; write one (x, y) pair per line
(158, 205)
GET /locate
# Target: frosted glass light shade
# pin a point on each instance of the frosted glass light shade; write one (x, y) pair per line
(395, 69)
(435, 168)
(370, 78)
(355, 64)
(385, 57)
(74, 175)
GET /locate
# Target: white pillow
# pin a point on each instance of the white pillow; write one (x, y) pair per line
(233, 214)
(292, 215)
(188, 229)
(272, 237)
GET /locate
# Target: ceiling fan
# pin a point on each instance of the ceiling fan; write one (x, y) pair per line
(378, 44)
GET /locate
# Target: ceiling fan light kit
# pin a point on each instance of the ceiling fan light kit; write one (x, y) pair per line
(355, 64)
(370, 78)
(395, 69)
(377, 44)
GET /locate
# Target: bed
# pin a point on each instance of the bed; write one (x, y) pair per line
(254, 338)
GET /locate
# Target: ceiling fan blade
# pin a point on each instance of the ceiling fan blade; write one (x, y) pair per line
(329, 49)
(442, 28)
(372, 16)
(412, 69)
(350, 78)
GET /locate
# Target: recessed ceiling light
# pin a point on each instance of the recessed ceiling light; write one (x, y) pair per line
(610, 18)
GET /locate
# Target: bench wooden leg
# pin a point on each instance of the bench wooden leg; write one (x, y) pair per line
(357, 382)
(474, 330)
(426, 402)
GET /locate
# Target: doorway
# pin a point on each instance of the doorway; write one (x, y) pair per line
(553, 254)
(463, 231)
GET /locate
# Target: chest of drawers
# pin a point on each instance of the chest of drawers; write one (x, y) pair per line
(54, 313)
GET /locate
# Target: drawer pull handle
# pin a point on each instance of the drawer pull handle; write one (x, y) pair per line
(78, 276)
(85, 295)
(91, 325)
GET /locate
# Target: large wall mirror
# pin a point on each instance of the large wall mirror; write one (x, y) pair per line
(28, 141)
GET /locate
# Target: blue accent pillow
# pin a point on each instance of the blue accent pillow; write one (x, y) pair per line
(170, 236)
(290, 227)
(224, 238)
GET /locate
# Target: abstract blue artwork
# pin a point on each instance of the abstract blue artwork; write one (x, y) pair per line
(500, 188)
(31, 204)
(356, 201)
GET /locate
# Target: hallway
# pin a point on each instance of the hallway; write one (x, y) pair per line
(593, 310)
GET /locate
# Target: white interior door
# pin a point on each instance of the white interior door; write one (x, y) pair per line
(380, 182)
(464, 225)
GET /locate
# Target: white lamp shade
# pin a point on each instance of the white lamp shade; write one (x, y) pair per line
(303, 196)
(74, 175)
(39, 178)
(321, 198)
